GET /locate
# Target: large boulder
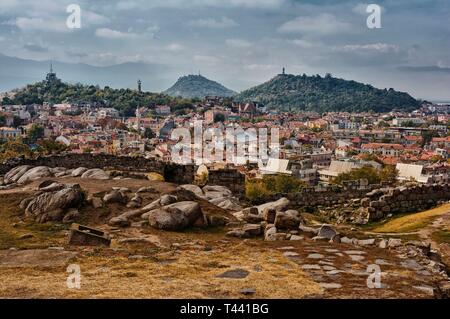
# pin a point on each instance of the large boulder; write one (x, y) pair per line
(52, 206)
(95, 173)
(167, 200)
(214, 192)
(327, 231)
(194, 189)
(290, 219)
(79, 171)
(279, 205)
(177, 216)
(229, 203)
(115, 196)
(17, 172)
(35, 174)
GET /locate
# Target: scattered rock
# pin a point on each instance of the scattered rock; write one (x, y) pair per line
(269, 215)
(167, 200)
(279, 205)
(177, 216)
(115, 196)
(234, 274)
(15, 174)
(35, 174)
(327, 231)
(287, 220)
(309, 232)
(194, 189)
(394, 242)
(119, 221)
(77, 172)
(247, 291)
(71, 215)
(51, 206)
(95, 173)
(147, 189)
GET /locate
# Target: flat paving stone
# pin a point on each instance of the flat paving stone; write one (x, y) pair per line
(328, 268)
(327, 285)
(315, 256)
(381, 262)
(234, 274)
(354, 252)
(426, 289)
(324, 262)
(334, 272)
(311, 267)
(291, 254)
(286, 248)
(356, 257)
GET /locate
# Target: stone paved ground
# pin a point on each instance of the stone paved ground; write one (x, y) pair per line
(214, 267)
(342, 270)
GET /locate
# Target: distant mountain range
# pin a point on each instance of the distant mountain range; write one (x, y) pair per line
(284, 92)
(16, 73)
(197, 86)
(325, 94)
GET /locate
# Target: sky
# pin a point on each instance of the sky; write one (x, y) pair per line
(242, 43)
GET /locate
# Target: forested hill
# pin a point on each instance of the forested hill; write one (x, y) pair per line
(325, 94)
(124, 100)
(197, 86)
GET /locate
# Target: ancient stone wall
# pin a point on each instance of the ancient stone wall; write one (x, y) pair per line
(353, 204)
(231, 178)
(399, 200)
(182, 174)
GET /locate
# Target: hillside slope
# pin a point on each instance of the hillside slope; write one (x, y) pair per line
(325, 94)
(197, 86)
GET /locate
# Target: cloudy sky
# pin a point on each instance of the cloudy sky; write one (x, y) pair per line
(241, 43)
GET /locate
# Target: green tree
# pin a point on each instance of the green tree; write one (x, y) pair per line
(219, 117)
(367, 172)
(36, 132)
(148, 133)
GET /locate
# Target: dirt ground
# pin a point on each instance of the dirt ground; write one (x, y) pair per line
(196, 263)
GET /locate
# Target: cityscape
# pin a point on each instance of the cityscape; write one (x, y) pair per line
(307, 182)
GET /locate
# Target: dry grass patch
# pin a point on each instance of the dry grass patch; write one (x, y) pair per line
(413, 222)
(186, 274)
(12, 227)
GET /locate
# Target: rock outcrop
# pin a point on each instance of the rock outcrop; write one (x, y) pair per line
(175, 217)
(53, 206)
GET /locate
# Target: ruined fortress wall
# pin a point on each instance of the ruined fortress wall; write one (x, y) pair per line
(373, 202)
(313, 197)
(231, 178)
(180, 174)
(183, 174)
(399, 200)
